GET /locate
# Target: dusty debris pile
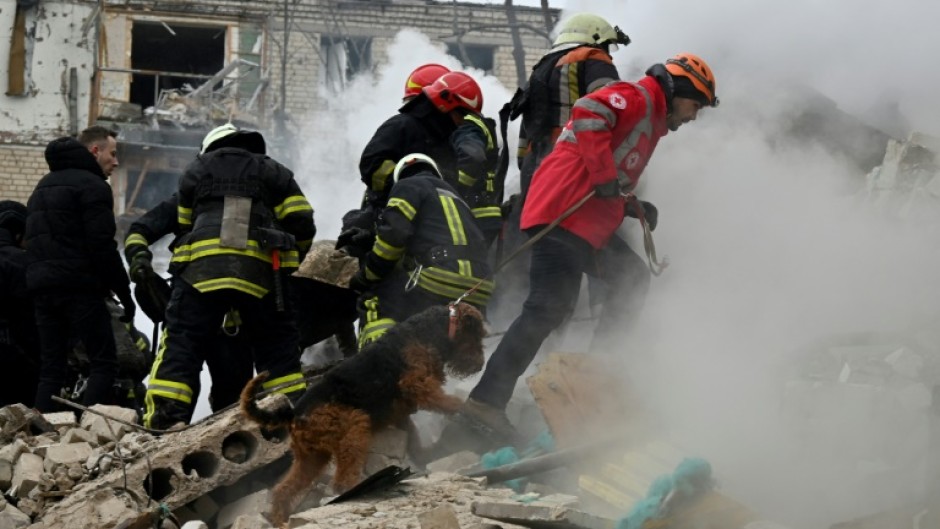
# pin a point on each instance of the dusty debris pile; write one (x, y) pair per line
(45, 457)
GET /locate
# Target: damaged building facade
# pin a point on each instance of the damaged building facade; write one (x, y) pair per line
(163, 72)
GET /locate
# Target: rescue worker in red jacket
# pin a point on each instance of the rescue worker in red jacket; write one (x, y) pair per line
(244, 225)
(603, 148)
(579, 63)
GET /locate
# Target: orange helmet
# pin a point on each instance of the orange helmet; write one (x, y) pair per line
(455, 90)
(422, 76)
(697, 71)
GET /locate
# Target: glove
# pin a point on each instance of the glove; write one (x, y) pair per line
(609, 189)
(356, 241)
(650, 213)
(141, 267)
(130, 309)
(359, 283)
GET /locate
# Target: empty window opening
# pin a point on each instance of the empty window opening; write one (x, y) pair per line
(342, 58)
(479, 55)
(173, 48)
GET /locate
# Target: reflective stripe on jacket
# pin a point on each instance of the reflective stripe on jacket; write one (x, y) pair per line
(611, 136)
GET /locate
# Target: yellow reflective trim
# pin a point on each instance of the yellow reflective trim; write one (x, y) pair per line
(209, 247)
(452, 214)
(380, 176)
(292, 204)
(487, 212)
(135, 238)
(478, 121)
(150, 406)
(171, 390)
(301, 385)
(371, 276)
(465, 178)
(573, 94)
(387, 251)
(478, 297)
(402, 205)
(184, 216)
(372, 330)
(446, 277)
(233, 283)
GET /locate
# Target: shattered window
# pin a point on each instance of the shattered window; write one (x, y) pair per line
(479, 55)
(341, 58)
(162, 52)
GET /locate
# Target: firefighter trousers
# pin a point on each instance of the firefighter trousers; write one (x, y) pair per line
(192, 323)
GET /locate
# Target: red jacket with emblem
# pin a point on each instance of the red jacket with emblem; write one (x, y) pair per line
(611, 135)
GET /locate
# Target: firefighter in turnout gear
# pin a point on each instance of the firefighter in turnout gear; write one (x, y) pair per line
(578, 64)
(602, 150)
(229, 359)
(244, 224)
(428, 251)
(425, 124)
(477, 155)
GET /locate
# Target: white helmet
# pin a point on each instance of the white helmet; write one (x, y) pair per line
(411, 160)
(217, 133)
(585, 28)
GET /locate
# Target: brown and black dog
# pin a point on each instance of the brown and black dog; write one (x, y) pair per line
(390, 379)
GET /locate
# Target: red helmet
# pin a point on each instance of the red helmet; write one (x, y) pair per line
(455, 90)
(423, 76)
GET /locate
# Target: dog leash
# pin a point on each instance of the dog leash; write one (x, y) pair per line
(655, 265)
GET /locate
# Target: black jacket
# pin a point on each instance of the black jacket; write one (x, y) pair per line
(428, 224)
(151, 227)
(200, 258)
(418, 128)
(70, 230)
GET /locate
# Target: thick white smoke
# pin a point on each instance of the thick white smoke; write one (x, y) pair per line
(768, 251)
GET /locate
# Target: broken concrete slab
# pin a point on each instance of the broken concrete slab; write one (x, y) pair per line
(27, 473)
(398, 507)
(251, 521)
(258, 502)
(166, 475)
(104, 428)
(61, 419)
(540, 514)
(65, 454)
(462, 460)
(442, 517)
(12, 518)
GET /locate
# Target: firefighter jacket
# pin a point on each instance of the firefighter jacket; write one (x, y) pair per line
(611, 136)
(152, 226)
(260, 200)
(417, 128)
(70, 228)
(477, 151)
(559, 79)
(428, 230)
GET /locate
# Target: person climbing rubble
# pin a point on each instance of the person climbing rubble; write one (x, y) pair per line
(600, 155)
(245, 224)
